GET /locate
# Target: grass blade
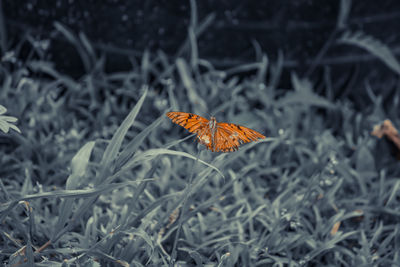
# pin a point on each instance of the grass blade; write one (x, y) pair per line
(372, 45)
(113, 147)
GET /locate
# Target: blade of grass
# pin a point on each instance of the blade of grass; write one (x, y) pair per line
(145, 67)
(110, 154)
(85, 43)
(372, 45)
(134, 144)
(108, 158)
(79, 165)
(344, 11)
(198, 31)
(194, 53)
(153, 153)
(75, 41)
(190, 85)
(185, 207)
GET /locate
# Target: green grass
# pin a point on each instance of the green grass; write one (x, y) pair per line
(99, 176)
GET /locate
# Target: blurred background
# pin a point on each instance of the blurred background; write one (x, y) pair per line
(228, 33)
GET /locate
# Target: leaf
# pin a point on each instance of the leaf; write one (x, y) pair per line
(48, 68)
(2, 110)
(208, 21)
(72, 38)
(194, 54)
(394, 192)
(134, 144)
(364, 160)
(115, 144)
(81, 193)
(372, 45)
(79, 164)
(145, 67)
(344, 11)
(189, 84)
(153, 153)
(303, 94)
(6, 121)
(85, 43)
(276, 71)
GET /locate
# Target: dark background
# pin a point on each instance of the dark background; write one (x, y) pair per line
(298, 28)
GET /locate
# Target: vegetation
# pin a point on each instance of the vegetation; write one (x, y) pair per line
(94, 174)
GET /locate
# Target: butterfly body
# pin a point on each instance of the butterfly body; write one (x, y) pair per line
(216, 136)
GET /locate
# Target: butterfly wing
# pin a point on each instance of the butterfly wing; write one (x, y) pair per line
(224, 142)
(205, 138)
(194, 124)
(229, 136)
(191, 122)
(226, 137)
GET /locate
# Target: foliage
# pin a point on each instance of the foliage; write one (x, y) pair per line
(374, 46)
(6, 121)
(83, 186)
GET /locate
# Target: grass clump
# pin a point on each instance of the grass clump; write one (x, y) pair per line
(81, 185)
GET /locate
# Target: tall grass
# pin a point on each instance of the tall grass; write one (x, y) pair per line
(98, 176)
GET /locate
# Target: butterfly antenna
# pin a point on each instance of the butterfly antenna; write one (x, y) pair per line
(218, 111)
(208, 114)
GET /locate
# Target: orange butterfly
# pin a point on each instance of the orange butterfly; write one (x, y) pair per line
(216, 136)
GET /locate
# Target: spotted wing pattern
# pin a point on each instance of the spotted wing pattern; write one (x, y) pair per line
(192, 122)
(229, 136)
(225, 137)
(205, 138)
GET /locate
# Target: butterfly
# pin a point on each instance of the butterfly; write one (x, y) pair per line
(216, 136)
